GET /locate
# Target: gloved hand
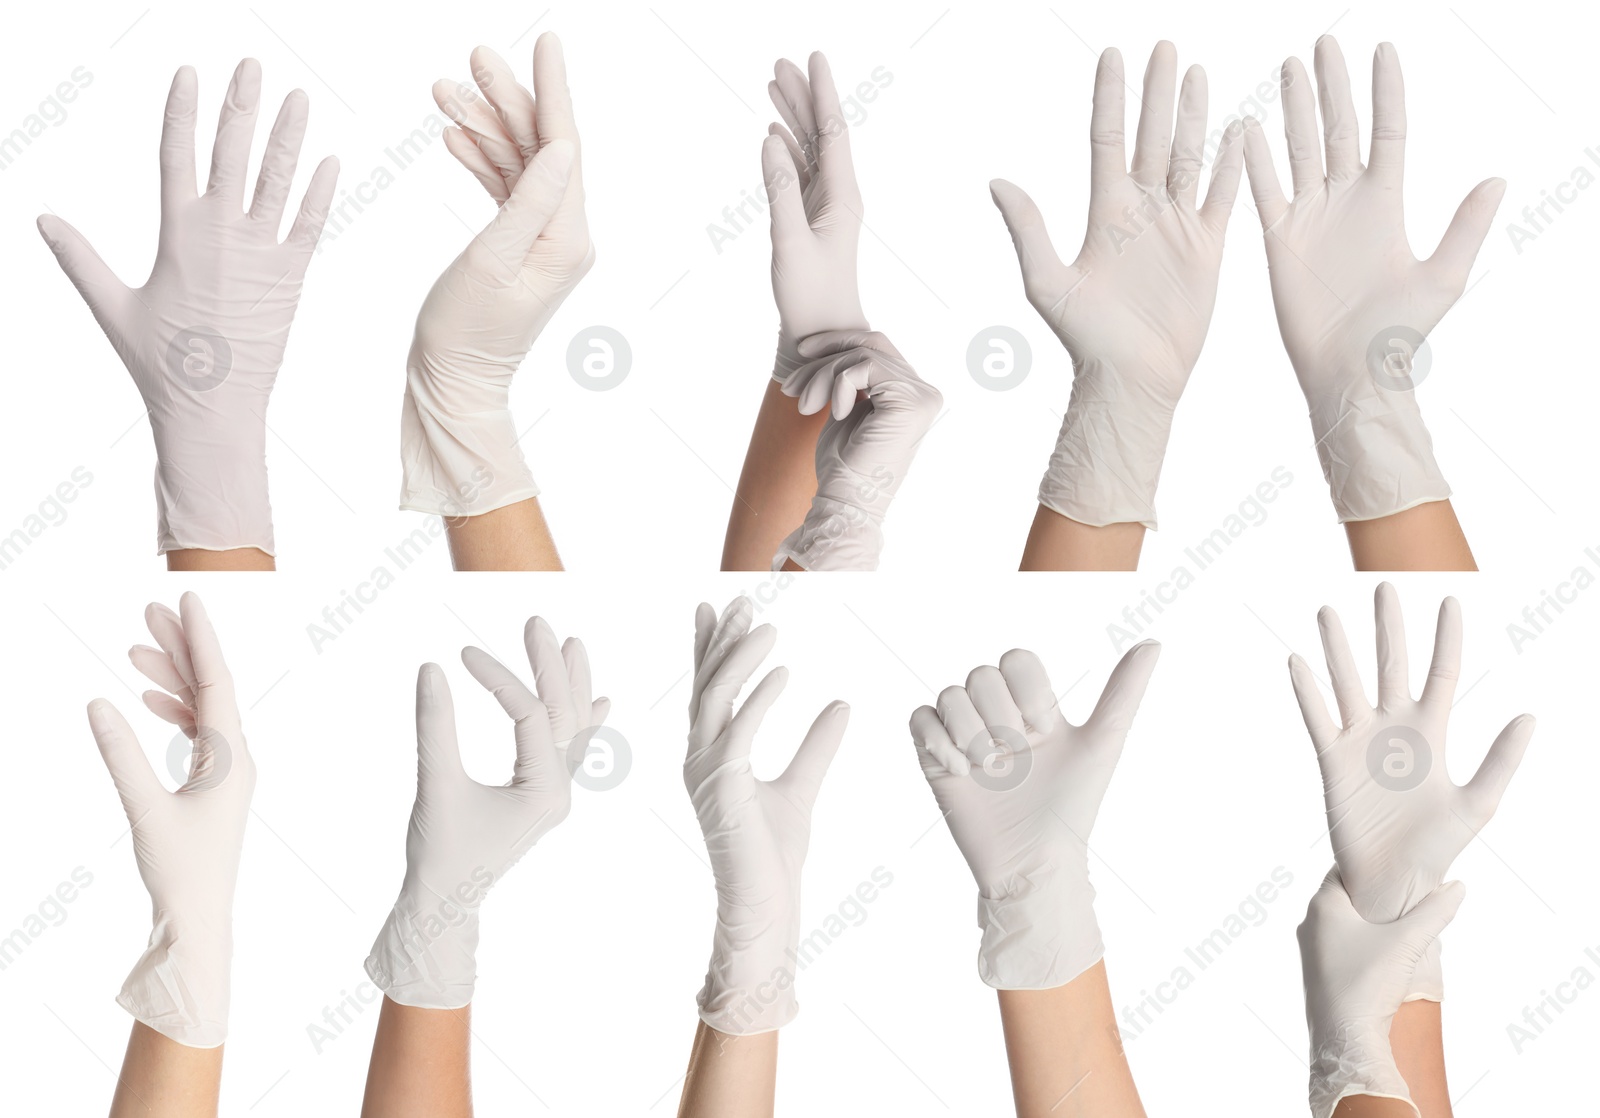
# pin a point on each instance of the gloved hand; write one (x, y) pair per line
(187, 842)
(458, 442)
(1395, 817)
(1020, 788)
(756, 831)
(1134, 307)
(1356, 975)
(865, 449)
(464, 836)
(815, 210)
(203, 338)
(1353, 303)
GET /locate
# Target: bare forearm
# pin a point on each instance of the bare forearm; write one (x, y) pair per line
(1066, 1053)
(1416, 1037)
(238, 559)
(730, 1076)
(1427, 537)
(161, 1076)
(513, 538)
(777, 483)
(420, 1064)
(1057, 543)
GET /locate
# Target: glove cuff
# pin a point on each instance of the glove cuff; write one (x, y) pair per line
(1107, 460)
(458, 461)
(1039, 931)
(213, 497)
(1376, 454)
(1354, 1059)
(180, 985)
(749, 986)
(836, 536)
(425, 955)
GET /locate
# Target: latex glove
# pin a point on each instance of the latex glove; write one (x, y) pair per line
(815, 208)
(203, 338)
(1020, 788)
(756, 831)
(1356, 975)
(464, 836)
(1396, 819)
(1352, 300)
(187, 842)
(1134, 307)
(458, 441)
(865, 449)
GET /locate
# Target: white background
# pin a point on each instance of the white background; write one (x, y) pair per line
(594, 948)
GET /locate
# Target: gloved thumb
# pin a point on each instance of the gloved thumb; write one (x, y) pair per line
(502, 247)
(95, 281)
(1422, 925)
(803, 778)
(130, 770)
(1499, 765)
(1042, 270)
(1452, 261)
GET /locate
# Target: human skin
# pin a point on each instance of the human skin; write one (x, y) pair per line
(1427, 537)
(161, 1076)
(1065, 1051)
(777, 483)
(1059, 543)
(512, 538)
(730, 1076)
(420, 1063)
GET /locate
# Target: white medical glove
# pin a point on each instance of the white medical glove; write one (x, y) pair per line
(756, 831)
(203, 338)
(1134, 307)
(1020, 788)
(1395, 818)
(187, 842)
(458, 441)
(815, 209)
(1356, 975)
(464, 836)
(865, 449)
(1353, 302)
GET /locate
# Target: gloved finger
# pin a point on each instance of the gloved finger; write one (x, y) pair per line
(1445, 670)
(550, 677)
(1119, 702)
(177, 139)
(169, 709)
(705, 623)
(791, 93)
(501, 682)
(1225, 173)
(1107, 158)
(802, 779)
(308, 223)
(236, 127)
(742, 729)
(107, 296)
(785, 204)
(157, 667)
(964, 724)
(1342, 672)
(797, 156)
(512, 103)
(130, 770)
(1339, 131)
(470, 155)
(1452, 261)
(1044, 276)
(741, 662)
(438, 755)
(167, 629)
(214, 701)
(1030, 688)
(833, 133)
(727, 632)
(848, 384)
(576, 658)
(474, 116)
(1423, 924)
(934, 748)
(837, 341)
(1388, 149)
(598, 710)
(1483, 792)
(1264, 188)
(279, 160)
(1312, 709)
(1188, 139)
(1394, 673)
(992, 699)
(501, 249)
(552, 99)
(1300, 127)
(1153, 146)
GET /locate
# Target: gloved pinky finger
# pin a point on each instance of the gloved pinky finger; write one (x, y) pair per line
(934, 747)
(471, 156)
(308, 223)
